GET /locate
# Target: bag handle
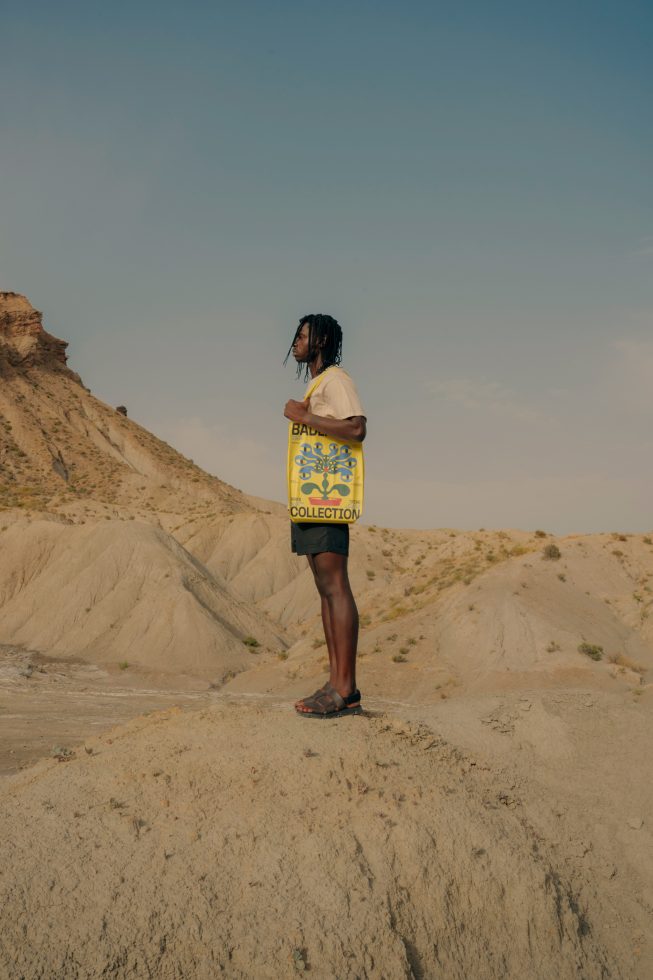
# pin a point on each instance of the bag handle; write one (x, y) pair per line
(317, 382)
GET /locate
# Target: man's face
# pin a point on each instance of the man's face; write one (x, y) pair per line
(300, 348)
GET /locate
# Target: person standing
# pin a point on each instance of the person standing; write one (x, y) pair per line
(334, 409)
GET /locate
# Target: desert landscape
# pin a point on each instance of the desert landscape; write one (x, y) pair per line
(166, 813)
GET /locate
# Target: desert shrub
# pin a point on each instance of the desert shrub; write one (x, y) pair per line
(553, 647)
(371, 574)
(251, 642)
(398, 658)
(551, 552)
(591, 650)
(395, 613)
(540, 534)
(621, 661)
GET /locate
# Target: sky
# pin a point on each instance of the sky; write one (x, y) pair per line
(465, 187)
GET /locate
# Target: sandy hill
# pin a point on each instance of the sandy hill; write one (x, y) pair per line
(489, 815)
(156, 563)
(62, 447)
(241, 841)
(89, 566)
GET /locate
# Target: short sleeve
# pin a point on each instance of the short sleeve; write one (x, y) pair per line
(336, 397)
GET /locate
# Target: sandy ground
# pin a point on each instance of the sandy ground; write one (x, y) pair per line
(480, 837)
(47, 705)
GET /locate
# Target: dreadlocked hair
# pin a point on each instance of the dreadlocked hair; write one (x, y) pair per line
(324, 337)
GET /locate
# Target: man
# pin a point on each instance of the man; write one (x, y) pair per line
(335, 410)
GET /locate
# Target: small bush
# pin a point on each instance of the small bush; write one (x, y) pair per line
(621, 661)
(398, 658)
(395, 613)
(282, 655)
(551, 552)
(251, 642)
(553, 647)
(591, 650)
(371, 574)
(124, 664)
(648, 540)
(540, 534)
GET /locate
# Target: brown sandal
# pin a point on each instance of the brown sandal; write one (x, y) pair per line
(327, 703)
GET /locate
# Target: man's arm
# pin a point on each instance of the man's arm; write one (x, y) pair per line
(353, 429)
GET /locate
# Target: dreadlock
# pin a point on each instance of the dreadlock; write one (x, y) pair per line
(324, 336)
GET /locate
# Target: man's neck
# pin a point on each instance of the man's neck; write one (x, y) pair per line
(315, 366)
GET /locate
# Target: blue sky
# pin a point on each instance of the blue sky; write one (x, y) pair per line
(466, 188)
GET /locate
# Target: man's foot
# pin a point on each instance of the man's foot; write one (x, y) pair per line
(328, 703)
(298, 704)
(327, 684)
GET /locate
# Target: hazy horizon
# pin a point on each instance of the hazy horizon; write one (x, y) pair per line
(468, 191)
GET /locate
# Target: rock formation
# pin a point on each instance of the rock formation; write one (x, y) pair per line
(23, 341)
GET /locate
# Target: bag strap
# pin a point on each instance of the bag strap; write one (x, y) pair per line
(317, 382)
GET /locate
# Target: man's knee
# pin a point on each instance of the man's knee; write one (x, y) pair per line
(332, 586)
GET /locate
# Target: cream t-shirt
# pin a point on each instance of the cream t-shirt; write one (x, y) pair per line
(336, 396)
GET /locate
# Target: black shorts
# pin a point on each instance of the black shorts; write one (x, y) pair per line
(312, 539)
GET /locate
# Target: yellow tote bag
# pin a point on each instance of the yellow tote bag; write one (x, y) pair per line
(325, 474)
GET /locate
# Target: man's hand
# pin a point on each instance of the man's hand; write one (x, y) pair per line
(297, 411)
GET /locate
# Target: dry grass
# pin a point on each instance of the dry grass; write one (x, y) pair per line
(622, 661)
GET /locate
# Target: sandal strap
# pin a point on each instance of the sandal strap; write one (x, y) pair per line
(335, 698)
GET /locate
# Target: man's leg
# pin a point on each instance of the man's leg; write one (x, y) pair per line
(326, 614)
(340, 617)
(326, 620)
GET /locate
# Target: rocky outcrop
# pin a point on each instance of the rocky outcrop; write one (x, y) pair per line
(23, 341)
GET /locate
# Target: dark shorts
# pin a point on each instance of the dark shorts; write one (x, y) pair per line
(313, 539)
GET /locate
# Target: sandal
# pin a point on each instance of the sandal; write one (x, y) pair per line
(327, 703)
(320, 690)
